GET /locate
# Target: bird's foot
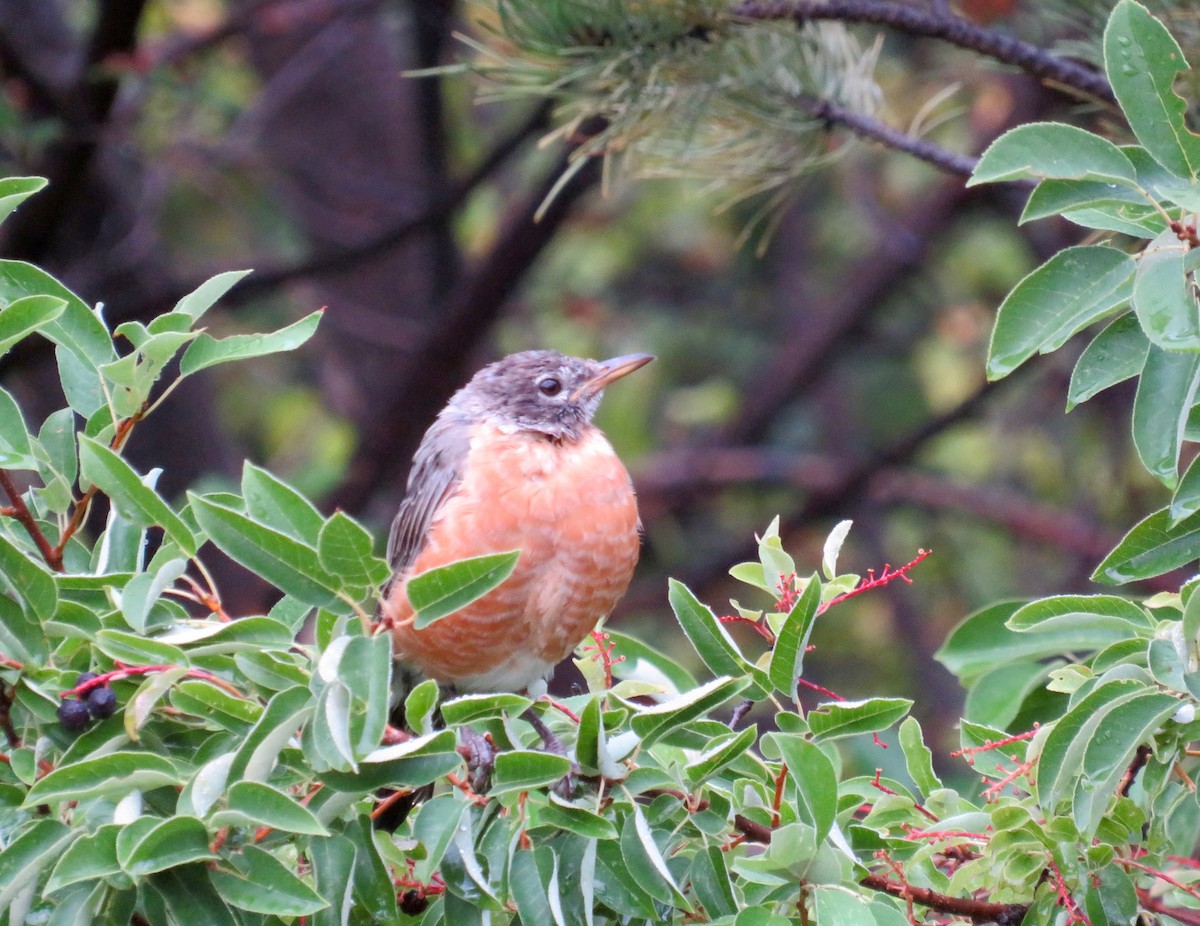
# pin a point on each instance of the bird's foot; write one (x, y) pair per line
(565, 787)
(480, 753)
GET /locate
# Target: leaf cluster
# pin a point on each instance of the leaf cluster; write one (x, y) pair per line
(240, 779)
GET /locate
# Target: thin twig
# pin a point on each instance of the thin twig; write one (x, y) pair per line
(866, 127)
(22, 513)
(947, 27)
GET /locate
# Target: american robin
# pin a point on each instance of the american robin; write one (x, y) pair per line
(514, 462)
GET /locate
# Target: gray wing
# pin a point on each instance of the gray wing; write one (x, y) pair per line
(436, 472)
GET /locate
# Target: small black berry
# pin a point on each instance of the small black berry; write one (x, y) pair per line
(85, 678)
(101, 702)
(73, 715)
(412, 903)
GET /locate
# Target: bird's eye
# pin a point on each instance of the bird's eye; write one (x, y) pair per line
(549, 386)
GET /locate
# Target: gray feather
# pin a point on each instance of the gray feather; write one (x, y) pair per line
(436, 472)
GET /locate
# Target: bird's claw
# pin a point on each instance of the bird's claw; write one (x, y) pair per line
(480, 753)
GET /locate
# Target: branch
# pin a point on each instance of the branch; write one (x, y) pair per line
(21, 512)
(668, 475)
(88, 103)
(979, 911)
(464, 322)
(939, 25)
(866, 127)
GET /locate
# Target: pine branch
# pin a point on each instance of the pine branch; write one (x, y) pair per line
(939, 25)
(866, 127)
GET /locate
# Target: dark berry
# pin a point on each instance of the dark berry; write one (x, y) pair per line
(412, 903)
(101, 702)
(73, 715)
(85, 678)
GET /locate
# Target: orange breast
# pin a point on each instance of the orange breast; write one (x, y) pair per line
(570, 509)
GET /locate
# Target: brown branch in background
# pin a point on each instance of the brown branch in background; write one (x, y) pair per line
(978, 911)
(21, 512)
(68, 161)
(942, 25)
(471, 309)
(662, 477)
(872, 129)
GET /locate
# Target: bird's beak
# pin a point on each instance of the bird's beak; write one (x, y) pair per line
(610, 370)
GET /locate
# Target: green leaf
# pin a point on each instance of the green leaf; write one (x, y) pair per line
(1186, 500)
(1074, 288)
(144, 589)
(263, 884)
(169, 844)
(346, 550)
(204, 296)
(983, 641)
(1054, 150)
(207, 351)
(646, 861)
(137, 502)
(1162, 295)
(651, 723)
(91, 856)
(566, 816)
(1059, 763)
(1164, 399)
(27, 854)
(414, 763)
(836, 719)
(472, 708)
(722, 753)
(190, 898)
(918, 757)
(15, 190)
(528, 892)
(78, 330)
(152, 690)
(271, 501)
(1115, 354)
(706, 633)
(1070, 612)
(710, 880)
(439, 592)
(998, 695)
(1109, 751)
(16, 449)
(113, 775)
(837, 906)
(1054, 197)
(787, 657)
(1153, 547)
(814, 779)
(252, 803)
(288, 564)
(134, 649)
(1142, 61)
(285, 713)
(24, 316)
(434, 829)
(28, 598)
(525, 769)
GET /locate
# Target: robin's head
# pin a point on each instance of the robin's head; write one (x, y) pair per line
(543, 391)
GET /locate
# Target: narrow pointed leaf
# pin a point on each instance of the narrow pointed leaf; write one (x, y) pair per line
(1075, 287)
(437, 593)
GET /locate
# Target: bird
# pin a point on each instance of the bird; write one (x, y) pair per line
(515, 462)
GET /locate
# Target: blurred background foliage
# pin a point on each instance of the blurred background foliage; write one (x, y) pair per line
(820, 344)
